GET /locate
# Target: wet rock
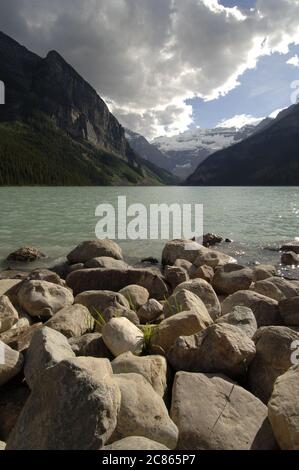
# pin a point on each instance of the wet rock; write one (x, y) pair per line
(210, 239)
(135, 443)
(26, 254)
(11, 363)
(72, 321)
(175, 276)
(152, 368)
(241, 317)
(8, 314)
(43, 299)
(115, 280)
(213, 413)
(121, 336)
(47, 348)
(86, 382)
(94, 249)
(143, 412)
(290, 258)
(220, 348)
(90, 345)
(292, 246)
(284, 410)
(181, 324)
(289, 311)
(231, 278)
(273, 358)
(205, 292)
(150, 311)
(150, 260)
(265, 309)
(135, 295)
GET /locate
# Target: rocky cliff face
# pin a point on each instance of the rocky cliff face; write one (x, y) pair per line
(52, 86)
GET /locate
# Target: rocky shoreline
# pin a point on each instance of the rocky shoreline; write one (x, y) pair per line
(199, 354)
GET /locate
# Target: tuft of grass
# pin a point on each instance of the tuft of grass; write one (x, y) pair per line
(99, 318)
(177, 308)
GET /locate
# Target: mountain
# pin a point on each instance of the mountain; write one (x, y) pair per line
(269, 157)
(187, 150)
(148, 151)
(55, 128)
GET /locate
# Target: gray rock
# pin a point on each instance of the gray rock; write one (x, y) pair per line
(213, 413)
(243, 318)
(117, 279)
(265, 310)
(273, 358)
(220, 348)
(11, 363)
(8, 314)
(94, 249)
(284, 410)
(206, 293)
(152, 368)
(143, 412)
(72, 321)
(79, 400)
(43, 299)
(47, 348)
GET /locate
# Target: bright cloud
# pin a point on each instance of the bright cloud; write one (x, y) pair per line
(294, 61)
(147, 57)
(239, 121)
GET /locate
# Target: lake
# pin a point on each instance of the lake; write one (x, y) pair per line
(55, 219)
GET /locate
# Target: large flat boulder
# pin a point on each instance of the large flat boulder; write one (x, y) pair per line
(115, 280)
(79, 400)
(213, 413)
(94, 249)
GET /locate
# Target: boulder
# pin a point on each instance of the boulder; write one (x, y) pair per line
(284, 410)
(8, 285)
(79, 400)
(135, 443)
(43, 299)
(150, 311)
(263, 271)
(243, 318)
(180, 250)
(11, 363)
(175, 276)
(265, 310)
(276, 288)
(152, 368)
(273, 358)
(45, 275)
(212, 258)
(290, 258)
(135, 295)
(181, 324)
(183, 301)
(20, 339)
(289, 311)
(213, 413)
(98, 301)
(12, 400)
(230, 278)
(121, 336)
(184, 264)
(291, 246)
(117, 311)
(117, 279)
(220, 348)
(72, 321)
(47, 348)
(205, 292)
(94, 249)
(210, 239)
(90, 345)
(8, 314)
(143, 412)
(202, 272)
(106, 262)
(26, 254)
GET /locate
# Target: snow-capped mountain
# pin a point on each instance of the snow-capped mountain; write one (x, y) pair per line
(147, 151)
(187, 150)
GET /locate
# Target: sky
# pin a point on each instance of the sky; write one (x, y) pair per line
(164, 66)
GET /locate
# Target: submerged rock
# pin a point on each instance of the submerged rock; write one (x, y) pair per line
(290, 258)
(26, 254)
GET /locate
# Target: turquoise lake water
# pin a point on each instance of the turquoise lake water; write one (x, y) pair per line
(56, 219)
